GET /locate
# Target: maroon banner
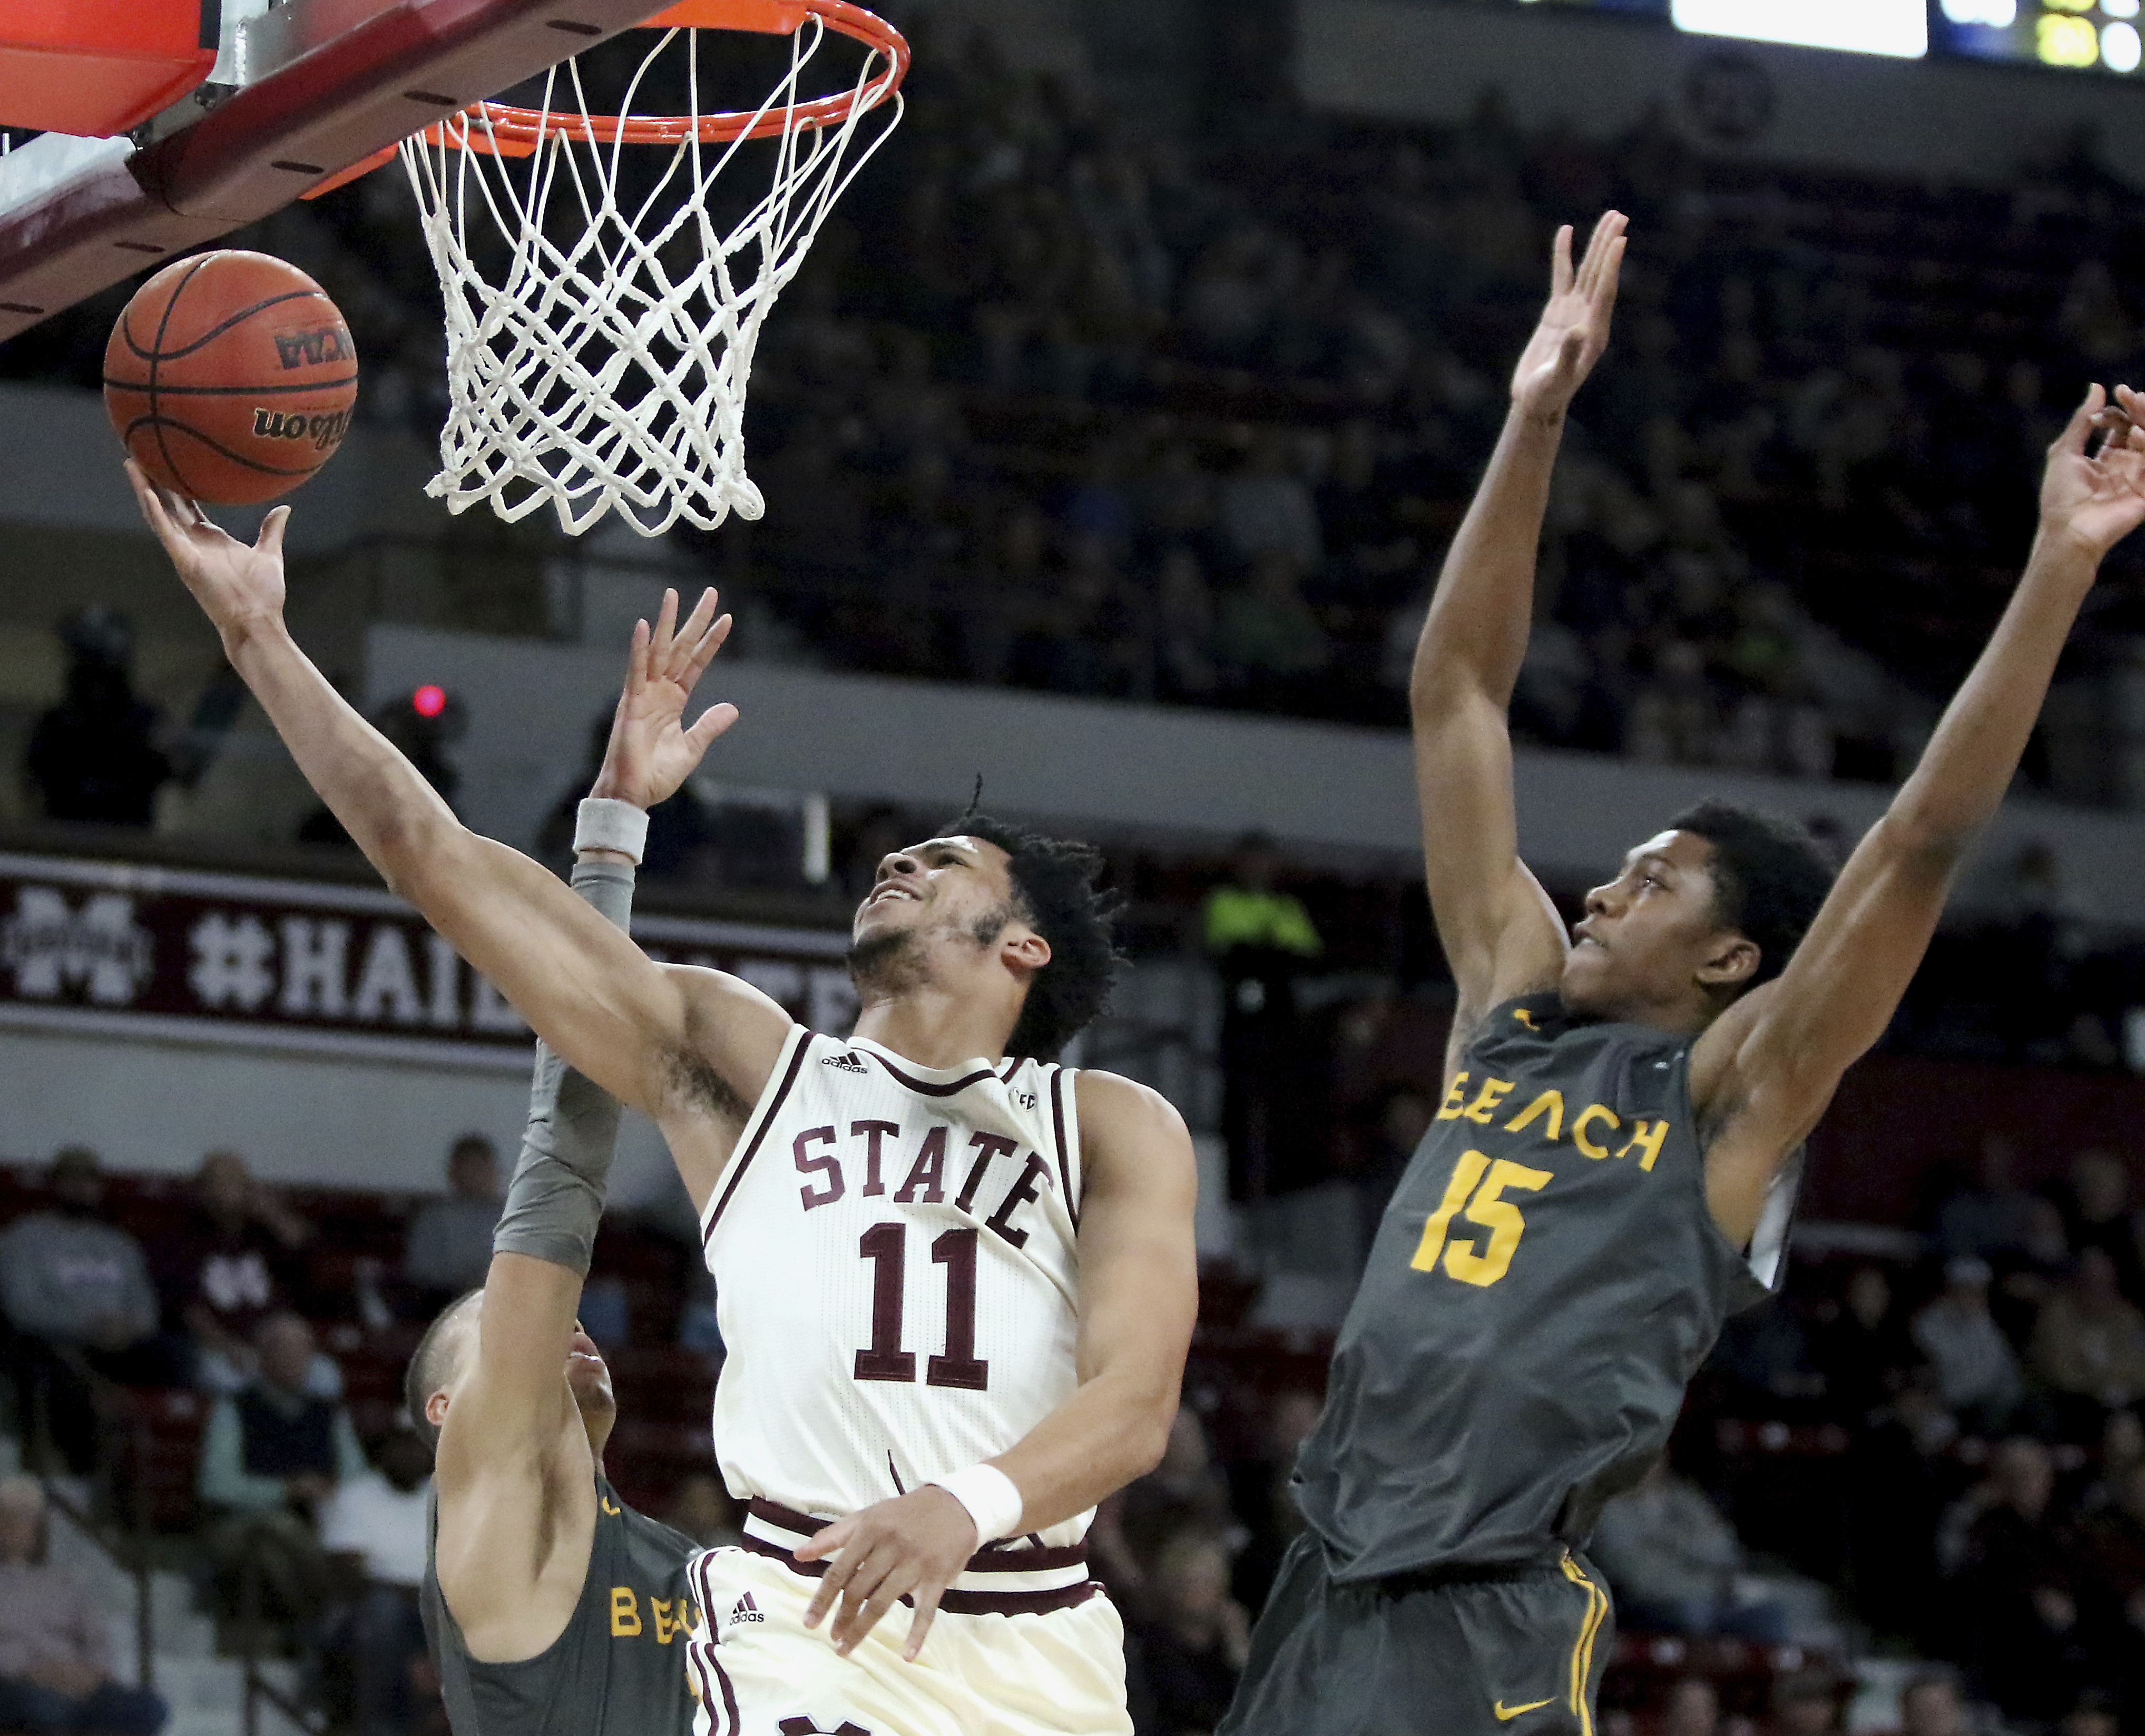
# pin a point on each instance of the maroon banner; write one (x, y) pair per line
(177, 955)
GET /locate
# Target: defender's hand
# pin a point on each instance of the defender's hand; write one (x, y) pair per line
(2092, 503)
(914, 1546)
(1574, 325)
(240, 587)
(651, 751)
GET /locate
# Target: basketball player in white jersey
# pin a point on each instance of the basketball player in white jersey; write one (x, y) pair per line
(957, 1282)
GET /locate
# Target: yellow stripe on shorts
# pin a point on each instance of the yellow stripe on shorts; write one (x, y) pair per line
(1582, 1650)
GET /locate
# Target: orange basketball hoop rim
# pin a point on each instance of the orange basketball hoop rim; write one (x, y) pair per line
(504, 126)
(501, 129)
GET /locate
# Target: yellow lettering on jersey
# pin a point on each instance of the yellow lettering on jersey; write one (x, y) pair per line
(625, 1613)
(659, 1608)
(1550, 1103)
(1587, 1117)
(1501, 1218)
(1493, 1092)
(1646, 1137)
(1524, 1016)
(1465, 1176)
(604, 1501)
(688, 1616)
(1450, 1109)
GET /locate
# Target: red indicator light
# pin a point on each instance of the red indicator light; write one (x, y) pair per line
(429, 701)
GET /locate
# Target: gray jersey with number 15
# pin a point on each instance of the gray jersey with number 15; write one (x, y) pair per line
(1545, 1283)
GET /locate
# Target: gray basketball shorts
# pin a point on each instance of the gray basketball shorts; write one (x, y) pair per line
(1459, 1653)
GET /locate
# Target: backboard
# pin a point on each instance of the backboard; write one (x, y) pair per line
(299, 92)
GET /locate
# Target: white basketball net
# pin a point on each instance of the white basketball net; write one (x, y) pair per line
(608, 370)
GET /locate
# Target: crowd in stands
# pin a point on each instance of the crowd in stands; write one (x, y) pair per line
(1067, 403)
(1062, 403)
(1936, 1452)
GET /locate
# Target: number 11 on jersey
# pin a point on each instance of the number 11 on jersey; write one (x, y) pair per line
(886, 1245)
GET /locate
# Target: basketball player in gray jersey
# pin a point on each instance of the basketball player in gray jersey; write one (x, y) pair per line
(1611, 1166)
(552, 1608)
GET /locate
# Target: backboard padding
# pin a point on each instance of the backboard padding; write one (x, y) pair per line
(368, 73)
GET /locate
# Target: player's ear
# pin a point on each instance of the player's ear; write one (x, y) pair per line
(436, 1410)
(1732, 961)
(1020, 946)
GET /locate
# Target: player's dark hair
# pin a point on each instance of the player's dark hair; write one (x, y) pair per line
(1054, 889)
(427, 1372)
(1769, 876)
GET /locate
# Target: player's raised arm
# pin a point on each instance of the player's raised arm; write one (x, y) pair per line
(583, 986)
(1500, 933)
(517, 1461)
(1764, 1071)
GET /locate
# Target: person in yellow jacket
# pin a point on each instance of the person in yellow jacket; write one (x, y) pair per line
(1261, 939)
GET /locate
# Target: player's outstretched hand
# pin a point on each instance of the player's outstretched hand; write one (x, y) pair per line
(913, 1546)
(651, 751)
(1575, 324)
(240, 586)
(2093, 502)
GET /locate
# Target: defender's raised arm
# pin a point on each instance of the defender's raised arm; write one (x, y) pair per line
(1500, 934)
(1766, 1069)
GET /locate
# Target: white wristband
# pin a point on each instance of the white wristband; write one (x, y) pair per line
(600, 823)
(992, 1499)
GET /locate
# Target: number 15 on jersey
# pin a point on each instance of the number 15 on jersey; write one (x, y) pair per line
(1475, 1194)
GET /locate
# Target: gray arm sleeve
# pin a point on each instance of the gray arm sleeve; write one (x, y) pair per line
(556, 1195)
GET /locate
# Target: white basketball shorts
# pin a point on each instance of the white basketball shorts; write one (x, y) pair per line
(757, 1670)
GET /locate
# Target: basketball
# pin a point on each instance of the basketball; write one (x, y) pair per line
(230, 377)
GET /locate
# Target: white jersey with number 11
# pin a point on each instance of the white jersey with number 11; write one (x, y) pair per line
(895, 1274)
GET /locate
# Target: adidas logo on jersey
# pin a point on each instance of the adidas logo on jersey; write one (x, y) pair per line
(745, 1609)
(848, 1063)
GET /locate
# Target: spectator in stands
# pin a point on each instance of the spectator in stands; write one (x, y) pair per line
(375, 1528)
(272, 1455)
(55, 1645)
(680, 831)
(704, 1511)
(2121, 1449)
(1184, 629)
(1976, 1371)
(76, 1294)
(1192, 1636)
(1187, 1488)
(1992, 1218)
(1265, 1501)
(1404, 1115)
(2111, 1547)
(233, 1264)
(2092, 1713)
(1764, 1360)
(2015, 1585)
(1672, 1560)
(2027, 1278)
(2089, 1346)
(94, 755)
(1268, 637)
(1931, 1704)
(1864, 1349)
(1265, 509)
(449, 1248)
(1806, 1703)
(2096, 1204)
(1692, 1708)
(1260, 939)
